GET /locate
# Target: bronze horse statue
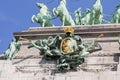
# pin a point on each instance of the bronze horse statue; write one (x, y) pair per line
(43, 17)
(62, 12)
(97, 16)
(116, 15)
(78, 16)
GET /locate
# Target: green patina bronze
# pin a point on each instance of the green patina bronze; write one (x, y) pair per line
(78, 16)
(43, 17)
(69, 50)
(13, 48)
(86, 19)
(90, 17)
(116, 15)
(97, 13)
(49, 47)
(62, 12)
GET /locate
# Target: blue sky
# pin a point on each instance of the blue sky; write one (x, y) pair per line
(15, 15)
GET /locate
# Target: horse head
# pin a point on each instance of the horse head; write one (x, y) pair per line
(63, 1)
(97, 7)
(88, 10)
(78, 11)
(86, 18)
(118, 6)
(41, 5)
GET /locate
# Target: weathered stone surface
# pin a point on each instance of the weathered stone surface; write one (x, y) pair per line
(99, 65)
(6, 68)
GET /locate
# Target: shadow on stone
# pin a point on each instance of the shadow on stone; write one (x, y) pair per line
(23, 59)
(116, 59)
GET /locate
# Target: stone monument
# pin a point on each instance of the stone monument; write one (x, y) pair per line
(99, 65)
(82, 52)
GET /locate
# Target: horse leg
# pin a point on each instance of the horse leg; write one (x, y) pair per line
(93, 20)
(82, 21)
(53, 11)
(100, 18)
(63, 21)
(43, 23)
(117, 19)
(34, 18)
